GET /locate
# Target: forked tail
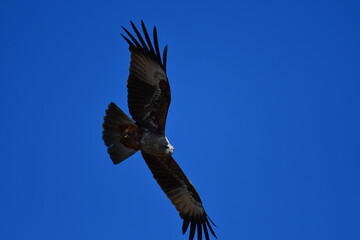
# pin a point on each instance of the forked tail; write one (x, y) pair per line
(114, 123)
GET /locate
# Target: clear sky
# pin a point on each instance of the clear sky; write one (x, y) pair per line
(265, 119)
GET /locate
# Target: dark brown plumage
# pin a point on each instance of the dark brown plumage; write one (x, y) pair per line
(148, 100)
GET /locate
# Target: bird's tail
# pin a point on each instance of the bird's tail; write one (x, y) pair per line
(116, 122)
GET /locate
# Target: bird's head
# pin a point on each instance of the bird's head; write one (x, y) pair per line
(169, 147)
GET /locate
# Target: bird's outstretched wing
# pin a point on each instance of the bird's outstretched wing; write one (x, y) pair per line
(148, 87)
(181, 193)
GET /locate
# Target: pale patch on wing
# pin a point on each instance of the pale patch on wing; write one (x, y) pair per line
(181, 193)
(185, 203)
(146, 69)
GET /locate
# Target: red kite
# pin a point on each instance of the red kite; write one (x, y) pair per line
(148, 100)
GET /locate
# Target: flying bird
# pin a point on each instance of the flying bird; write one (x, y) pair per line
(148, 101)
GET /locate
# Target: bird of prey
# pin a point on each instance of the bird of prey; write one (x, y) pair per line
(148, 100)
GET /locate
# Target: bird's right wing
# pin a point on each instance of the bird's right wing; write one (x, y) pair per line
(181, 193)
(148, 86)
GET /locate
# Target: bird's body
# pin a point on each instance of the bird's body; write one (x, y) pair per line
(155, 144)
(149, 99)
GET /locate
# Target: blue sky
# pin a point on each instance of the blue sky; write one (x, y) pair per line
(264, 118)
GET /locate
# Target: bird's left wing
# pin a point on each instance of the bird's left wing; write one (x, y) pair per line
(181, 193)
